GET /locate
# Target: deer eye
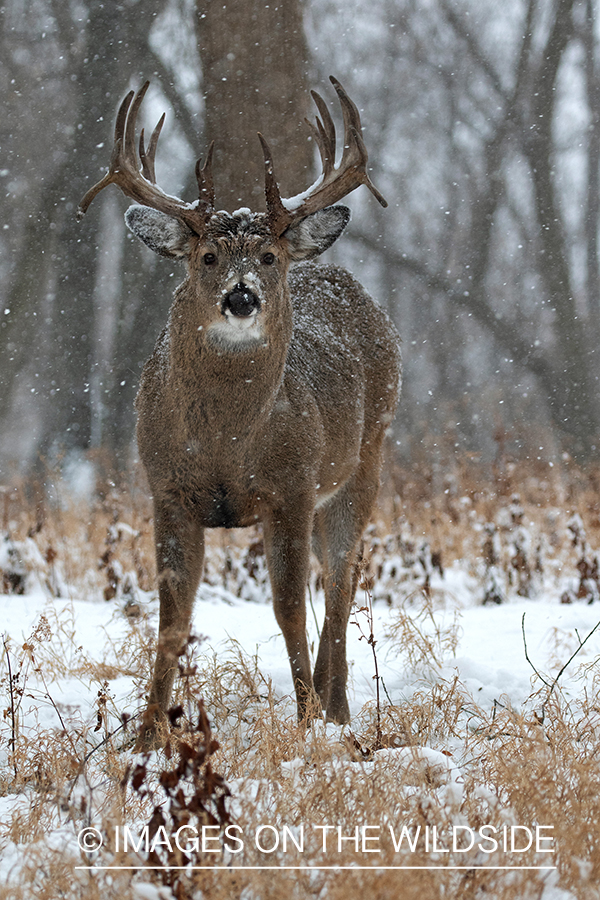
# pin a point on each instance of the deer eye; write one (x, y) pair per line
(209, 259)
(268, 259)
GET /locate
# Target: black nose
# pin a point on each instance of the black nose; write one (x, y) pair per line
(241, 301)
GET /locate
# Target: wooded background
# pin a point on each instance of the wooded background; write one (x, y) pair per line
(482, 124)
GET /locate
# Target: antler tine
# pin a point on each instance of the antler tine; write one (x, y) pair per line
(139, 186)
(147, 157)
(148, 175)
(318, 138)
(129, 151)
(109, 178)
(204, 177)
(326, 131)
(326, 152)
(349, 111)
(154, 140)
(279, 216)
(360, 144)
(355, 151)
(122, 116)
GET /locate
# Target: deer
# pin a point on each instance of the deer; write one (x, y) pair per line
(266, 399)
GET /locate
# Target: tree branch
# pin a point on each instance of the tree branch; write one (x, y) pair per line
(475, 50)
(183, 117)
(504, 332)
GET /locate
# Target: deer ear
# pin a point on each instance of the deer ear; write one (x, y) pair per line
(314, 234)
(160, 232)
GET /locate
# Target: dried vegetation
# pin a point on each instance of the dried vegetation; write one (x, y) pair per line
(438, 762)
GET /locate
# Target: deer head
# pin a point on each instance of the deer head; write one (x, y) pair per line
(292, 230)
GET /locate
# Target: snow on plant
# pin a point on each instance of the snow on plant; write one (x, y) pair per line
(422, 637)
(433, 753)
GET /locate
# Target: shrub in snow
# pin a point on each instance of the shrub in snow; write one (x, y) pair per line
(587, 565)
(121, 584)
(23, 568)
(494, 589)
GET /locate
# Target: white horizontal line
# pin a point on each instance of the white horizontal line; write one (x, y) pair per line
(318, 868)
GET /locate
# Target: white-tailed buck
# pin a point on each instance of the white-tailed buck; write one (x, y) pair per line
(266, 399)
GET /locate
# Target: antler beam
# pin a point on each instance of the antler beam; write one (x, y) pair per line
(335, 182)
(140, 186)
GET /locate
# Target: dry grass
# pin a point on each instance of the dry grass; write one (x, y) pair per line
(445, 761)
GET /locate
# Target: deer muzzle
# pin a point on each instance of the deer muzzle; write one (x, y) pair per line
(240, 302)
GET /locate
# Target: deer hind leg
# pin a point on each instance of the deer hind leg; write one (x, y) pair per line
(179, 560)
(339, 526)
(287, 546)
(321, 672)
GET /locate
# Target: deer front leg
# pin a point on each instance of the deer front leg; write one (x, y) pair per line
(179, 560)
(287, 542)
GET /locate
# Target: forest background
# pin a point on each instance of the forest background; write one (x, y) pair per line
(482, 123)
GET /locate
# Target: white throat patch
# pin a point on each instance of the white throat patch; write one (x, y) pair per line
(235, 331)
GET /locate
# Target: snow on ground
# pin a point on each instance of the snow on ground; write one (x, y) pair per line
(489, 659)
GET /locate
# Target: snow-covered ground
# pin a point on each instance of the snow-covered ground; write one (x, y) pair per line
(488, 659)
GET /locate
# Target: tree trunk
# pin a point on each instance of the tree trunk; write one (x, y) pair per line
(254, 63)
(573, 400)
(59, 251)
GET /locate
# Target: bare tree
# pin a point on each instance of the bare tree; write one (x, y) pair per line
(54, 274)
(488, 256)
(502, 239)
(77, 323)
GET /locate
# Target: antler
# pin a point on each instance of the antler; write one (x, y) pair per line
(124, 171)
(335, 182)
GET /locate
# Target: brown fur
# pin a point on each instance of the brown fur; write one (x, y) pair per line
(284, 429)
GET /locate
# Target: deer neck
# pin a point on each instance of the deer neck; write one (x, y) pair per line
(227, 391)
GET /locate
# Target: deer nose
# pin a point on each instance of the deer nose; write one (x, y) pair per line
(241, 301)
